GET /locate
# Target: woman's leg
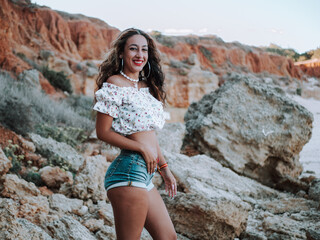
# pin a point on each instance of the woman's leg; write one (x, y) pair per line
(130, 207)
(158, 222)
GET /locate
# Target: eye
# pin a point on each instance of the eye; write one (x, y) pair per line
(145, 49)
(133, 48)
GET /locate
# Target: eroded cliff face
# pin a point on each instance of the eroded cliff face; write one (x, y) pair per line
(26, 29)
(221, 57)
(75, 44)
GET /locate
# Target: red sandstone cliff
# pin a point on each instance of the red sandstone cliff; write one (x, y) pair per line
(27, 29)
(310, 67)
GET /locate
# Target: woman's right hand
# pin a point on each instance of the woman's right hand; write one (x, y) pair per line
(150, 157)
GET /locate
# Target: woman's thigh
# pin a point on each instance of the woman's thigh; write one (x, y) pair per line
(130, 207)
(158, 222)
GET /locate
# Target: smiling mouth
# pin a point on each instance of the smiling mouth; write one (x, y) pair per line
(138, 62)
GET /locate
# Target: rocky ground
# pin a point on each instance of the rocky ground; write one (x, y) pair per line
(217, 198)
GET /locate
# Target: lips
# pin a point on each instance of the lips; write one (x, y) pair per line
(138, 62)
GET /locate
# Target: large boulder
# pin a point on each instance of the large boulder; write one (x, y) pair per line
(209, 204)
(252, 128)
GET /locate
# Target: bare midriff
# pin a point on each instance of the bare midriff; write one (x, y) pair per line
(147, 138)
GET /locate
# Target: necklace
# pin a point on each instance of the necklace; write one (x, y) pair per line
(130, 79)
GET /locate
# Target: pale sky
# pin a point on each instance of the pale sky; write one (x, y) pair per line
(287, 23)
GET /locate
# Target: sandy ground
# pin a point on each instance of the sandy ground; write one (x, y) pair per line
(310, 154)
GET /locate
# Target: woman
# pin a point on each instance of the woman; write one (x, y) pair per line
(130, 107)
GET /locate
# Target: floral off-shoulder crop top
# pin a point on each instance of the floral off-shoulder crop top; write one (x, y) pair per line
(133, 110)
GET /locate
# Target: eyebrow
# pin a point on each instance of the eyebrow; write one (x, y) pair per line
(133, 44)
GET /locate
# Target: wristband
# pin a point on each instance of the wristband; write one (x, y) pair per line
(162, 166)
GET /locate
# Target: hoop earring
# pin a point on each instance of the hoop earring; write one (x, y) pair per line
(149, 70)
(121, 64)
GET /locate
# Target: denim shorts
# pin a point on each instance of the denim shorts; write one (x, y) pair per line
(128, 169)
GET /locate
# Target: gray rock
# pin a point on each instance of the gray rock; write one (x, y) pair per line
(284, 218)
(200, 217)
(68, 228)
(12, 227)
(313, 234)
(252, 128)
(16, 188)
(203, 174)
(89, 181)
(216, 210)
(34, 232)
(170, 137)
(48, 148)
(106, 233)
(63, 204)
(105, 212)
(314, 190)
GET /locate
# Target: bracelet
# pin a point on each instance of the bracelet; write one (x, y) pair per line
(162, 166)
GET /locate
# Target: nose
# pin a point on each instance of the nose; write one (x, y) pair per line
(139, 53)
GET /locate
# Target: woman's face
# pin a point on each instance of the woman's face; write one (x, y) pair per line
(135, 54)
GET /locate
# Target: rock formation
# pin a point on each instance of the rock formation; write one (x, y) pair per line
(252, 128)
(213, 202)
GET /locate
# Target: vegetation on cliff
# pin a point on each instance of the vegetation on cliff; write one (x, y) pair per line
(291, 53)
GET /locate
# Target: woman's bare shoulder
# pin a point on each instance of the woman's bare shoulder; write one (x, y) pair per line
(116, 80)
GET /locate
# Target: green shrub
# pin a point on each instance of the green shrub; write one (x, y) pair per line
(287, 52)
(193, 41)
(31, 176)
(15, 115)
(70, 135)
(299, 91)
(81, 104)
(23, 57)
(55, 160)
(22, 107)
(164, 40)
(206, 52)
(13, 153)
(57, 79)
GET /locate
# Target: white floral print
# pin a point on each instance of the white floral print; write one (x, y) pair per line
(133, 110)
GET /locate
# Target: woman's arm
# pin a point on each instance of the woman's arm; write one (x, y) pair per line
(169, 179)
(104, 133)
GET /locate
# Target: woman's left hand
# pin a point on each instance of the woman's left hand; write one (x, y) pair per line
(170, 182)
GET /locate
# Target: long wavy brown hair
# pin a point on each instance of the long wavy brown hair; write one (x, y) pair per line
(153, 75)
